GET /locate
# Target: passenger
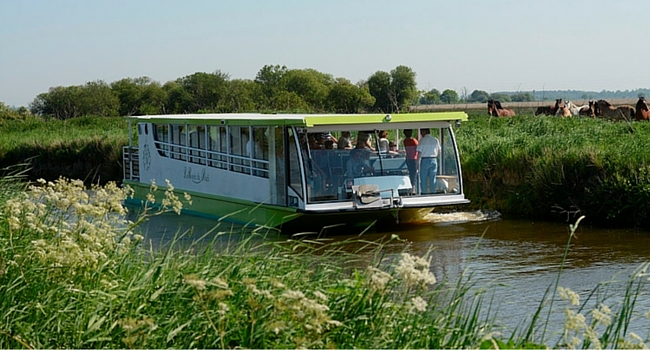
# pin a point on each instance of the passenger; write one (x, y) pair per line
(383, 141)
(410, 146)
(344, 141)
(357, 165)
(366, 139)
(427, 152)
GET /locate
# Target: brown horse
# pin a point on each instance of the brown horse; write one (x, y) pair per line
(546, 110)
(563, 111)
(642, 110)
(496, 110)
(589, 110)
(606, 110)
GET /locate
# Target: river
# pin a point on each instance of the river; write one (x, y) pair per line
(516, 260)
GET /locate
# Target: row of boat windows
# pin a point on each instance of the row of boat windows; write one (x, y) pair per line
(240, 149)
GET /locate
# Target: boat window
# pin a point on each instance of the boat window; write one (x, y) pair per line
(277, 173)
(178, 138)
(448, 180)
(258, 149)
(295, 180)
(218, 147)
(238, 157)
(161, 137)
(197, 144)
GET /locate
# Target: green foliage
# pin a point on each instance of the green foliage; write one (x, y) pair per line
(394, 91)
(430, 97)
(95, 98)
(139, 96)
(550, 168)
(449, 96)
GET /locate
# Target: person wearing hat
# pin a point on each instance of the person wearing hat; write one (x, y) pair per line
(357, 165)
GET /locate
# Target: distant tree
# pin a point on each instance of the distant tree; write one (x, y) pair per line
(291, 102)
(403, 87)
(345, 97)
(379, 87)
(59, 102)
(430, 97)
(392, 91)
(269, 80)
(311, 85)
(522, 97)
(96, 98)
(449, 96)
(139, 96)
(479, 96)
(501, 97)
(203, 92)
(239, 97)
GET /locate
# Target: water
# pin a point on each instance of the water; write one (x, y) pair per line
(516, 260)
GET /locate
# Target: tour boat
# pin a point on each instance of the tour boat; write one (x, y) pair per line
(295, 171)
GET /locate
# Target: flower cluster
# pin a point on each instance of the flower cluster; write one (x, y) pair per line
(68, 225)
(414, 270)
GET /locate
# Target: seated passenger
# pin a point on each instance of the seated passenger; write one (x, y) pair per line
(357, 165)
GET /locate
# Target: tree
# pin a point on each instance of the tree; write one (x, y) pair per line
(345, 97)
(430, 97)
(202, 92)
(269, 80)
(59, 102)
(312, 86)
(479, 96)
(378, 86)
(449, 96)
(501, 97)
(98, 99)
(403, 87)
(139, 96)
(522, 97)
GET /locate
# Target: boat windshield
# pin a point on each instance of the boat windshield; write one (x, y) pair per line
(338, 160)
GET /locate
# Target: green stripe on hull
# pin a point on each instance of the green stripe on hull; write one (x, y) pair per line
(240, 211)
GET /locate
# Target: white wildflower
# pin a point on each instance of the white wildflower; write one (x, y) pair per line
(568, 294)
(418, 304)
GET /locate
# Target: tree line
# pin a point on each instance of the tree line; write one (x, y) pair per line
(275, 88)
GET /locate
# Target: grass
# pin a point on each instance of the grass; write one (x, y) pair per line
(75, 274)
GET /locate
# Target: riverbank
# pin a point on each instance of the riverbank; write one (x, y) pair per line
(528, 166)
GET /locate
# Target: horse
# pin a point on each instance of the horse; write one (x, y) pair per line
(575, 109)
(642, 110)
(563, 111)
(546, 110)
(606, 110)
(495, 109)
(588, 111)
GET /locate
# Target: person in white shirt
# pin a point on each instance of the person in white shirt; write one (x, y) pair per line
(427, 153)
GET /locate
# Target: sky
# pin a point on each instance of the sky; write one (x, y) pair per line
(463, 45)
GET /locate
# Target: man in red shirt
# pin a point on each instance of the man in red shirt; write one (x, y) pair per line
(410, 145)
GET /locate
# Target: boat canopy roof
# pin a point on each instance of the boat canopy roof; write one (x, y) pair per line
(304, 120)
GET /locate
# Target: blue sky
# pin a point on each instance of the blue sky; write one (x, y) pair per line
(462, 45)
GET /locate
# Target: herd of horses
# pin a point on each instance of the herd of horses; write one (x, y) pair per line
(593, 109)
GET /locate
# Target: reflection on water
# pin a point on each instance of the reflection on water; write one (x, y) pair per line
(517, 260)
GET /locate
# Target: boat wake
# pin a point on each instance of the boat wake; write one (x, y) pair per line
(463, 216)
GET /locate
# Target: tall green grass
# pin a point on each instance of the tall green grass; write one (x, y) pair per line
(75, 274)
(549, 167)
(87, 148)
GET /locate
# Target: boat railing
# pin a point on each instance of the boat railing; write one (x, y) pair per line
(216, 159)
(131, 163)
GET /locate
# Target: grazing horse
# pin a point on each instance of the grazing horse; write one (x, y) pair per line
(495, 109)
(642, 110)
(606, 110)
(546, 110)
(589, 110)
(563, 111)
(575, 109)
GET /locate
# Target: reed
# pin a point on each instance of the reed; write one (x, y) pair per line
(74, 273)
(87, 148)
